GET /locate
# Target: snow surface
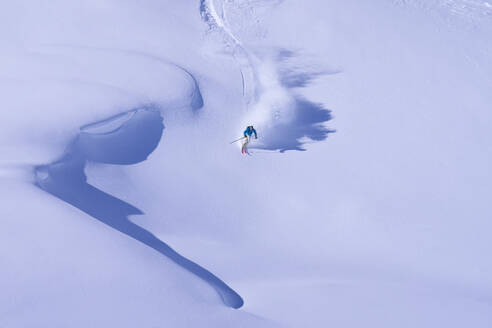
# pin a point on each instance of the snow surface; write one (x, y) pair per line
(364, 203)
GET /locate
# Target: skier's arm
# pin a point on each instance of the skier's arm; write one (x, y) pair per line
(256, 136)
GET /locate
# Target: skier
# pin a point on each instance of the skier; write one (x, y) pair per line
(247, 136)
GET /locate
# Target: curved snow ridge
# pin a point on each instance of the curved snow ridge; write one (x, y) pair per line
(127, 138)
(196, 97)
(110, 125)
(132, 136)
(147, 76)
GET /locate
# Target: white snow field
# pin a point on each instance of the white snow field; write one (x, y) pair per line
(364, 202)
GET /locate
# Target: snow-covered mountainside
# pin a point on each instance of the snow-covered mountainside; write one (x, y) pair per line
(363, 202)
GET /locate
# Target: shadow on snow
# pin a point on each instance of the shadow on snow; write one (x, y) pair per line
(307, 123)
(308, 119)
(127, 138)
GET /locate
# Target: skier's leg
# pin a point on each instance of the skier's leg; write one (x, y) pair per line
(244, 146)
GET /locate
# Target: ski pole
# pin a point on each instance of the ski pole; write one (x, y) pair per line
(237, 140)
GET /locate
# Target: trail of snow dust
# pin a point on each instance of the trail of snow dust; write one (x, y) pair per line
(275, 105)
(284, 119)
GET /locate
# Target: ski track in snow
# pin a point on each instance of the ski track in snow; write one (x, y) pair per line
(244, 59)
(127, 138)
(285, 120)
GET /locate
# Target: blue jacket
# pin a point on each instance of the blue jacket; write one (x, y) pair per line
(249, 132)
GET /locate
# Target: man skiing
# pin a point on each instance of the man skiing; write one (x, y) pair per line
(247, 136)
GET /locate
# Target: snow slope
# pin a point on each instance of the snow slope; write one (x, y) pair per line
(124, 111)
